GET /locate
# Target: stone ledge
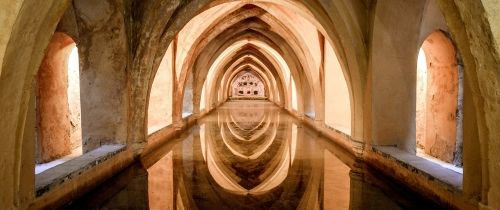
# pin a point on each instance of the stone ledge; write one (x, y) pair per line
(433, 171)
(51, 178)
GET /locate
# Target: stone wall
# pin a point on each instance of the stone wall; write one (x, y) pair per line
(441, 97)
(247, 85)
(103, 49)
(121, 44)
(54, 125)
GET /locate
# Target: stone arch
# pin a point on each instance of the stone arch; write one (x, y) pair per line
(29, 40)
(264, 67)
(323, 17)
(400, 124)
(268, 63)
(185, 68)
(282, 64)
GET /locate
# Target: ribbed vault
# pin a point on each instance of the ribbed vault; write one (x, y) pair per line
(272, 39)
(151, 68)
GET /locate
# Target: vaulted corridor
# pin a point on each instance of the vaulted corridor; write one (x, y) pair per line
(249, 104)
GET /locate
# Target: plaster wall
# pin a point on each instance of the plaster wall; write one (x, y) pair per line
(103, 58)
(160, 102)
(294, 98)
(441, 97)
(337, 102)
(203, 97)
(481, 60)
(432, 21)
(393, 65)
(54, 125)
(8, 14)
(421, 113)
(307, 37)
(26, 41)
(189, 34)
(73, 89)
(474, 29)
(187, 101)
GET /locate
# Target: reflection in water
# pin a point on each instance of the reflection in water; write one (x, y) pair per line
(250, 155)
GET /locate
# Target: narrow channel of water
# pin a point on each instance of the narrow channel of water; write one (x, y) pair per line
(251, 155)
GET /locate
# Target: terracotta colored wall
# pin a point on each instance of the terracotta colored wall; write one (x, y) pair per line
(52, 100)
(442, 94)
(420, 117)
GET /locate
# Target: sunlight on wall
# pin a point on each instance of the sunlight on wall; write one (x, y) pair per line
(74, 104)
(202, 100)
(295, 105)
(437, 105)
(421, 97)
(160, 102)
(337, 101)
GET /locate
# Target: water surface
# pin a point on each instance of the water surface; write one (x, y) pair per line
(251, 155)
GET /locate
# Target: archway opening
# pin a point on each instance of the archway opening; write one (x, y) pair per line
(439, 101)
(58, 105)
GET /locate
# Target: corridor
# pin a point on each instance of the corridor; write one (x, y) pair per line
(249, 104)
(250, 155)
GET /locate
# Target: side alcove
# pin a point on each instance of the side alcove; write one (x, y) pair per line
(439, 100)
(58, 107)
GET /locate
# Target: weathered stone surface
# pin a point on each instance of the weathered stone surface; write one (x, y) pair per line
(441, 97)
(103, 49)
(70, 170)
(54, 125)
(122, 44)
